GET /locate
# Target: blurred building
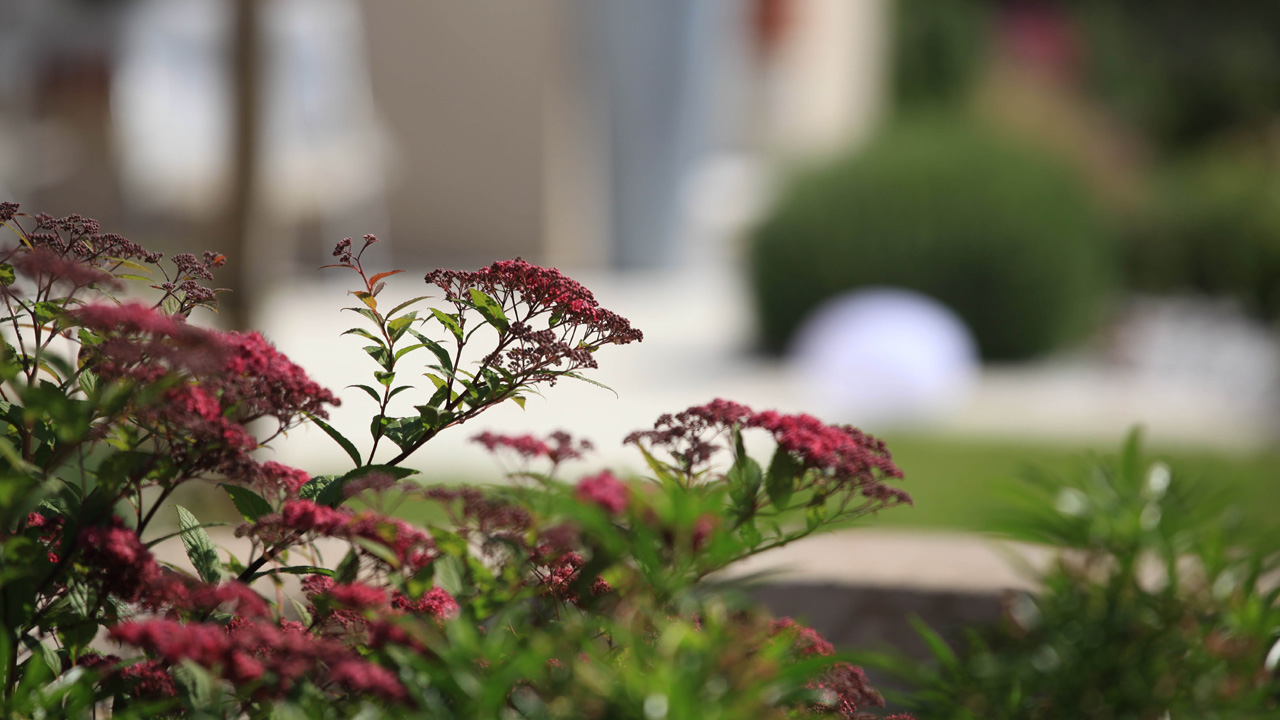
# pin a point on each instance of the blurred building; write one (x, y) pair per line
(568, 131)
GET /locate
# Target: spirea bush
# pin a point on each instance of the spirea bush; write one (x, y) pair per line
(551, 596)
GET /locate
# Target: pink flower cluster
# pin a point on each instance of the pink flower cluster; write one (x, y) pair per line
(412, 547)
(229, 380)
(843, 688)
(560, 578)
(554, 323)
(834, 457)
(118, 560)
(252, 652)
(604, 490)
(558, 447)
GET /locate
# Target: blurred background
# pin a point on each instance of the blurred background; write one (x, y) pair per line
(996, 232)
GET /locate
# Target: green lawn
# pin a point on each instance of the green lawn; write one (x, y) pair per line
(956, 483)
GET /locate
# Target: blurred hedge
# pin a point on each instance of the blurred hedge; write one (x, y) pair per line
(1213, 226)
(1005, 235)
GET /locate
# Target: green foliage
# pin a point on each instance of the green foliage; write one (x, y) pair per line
(1005, 236)
(939, 47)
(1162, 604)
(1212, 225)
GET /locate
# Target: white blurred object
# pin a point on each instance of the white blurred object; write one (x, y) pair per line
(321, 148)
(884, 355)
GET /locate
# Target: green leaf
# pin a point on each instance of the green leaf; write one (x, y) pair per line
(380, 551)
(372, 393)
(162, 538)
(347, 569)
(407, 303)
(780, 481)
(170, 305)
(449, 321)
(88, 382)
(436, 348)
(744, 481)
(589, 381)
(338, 438)
(400, 325)
(406, 431)
(294, 570)
(448, 574)
(7, 276)
(490, 310)
(129, 264)
(370, 314)
(380, 354)
(199, 547)
(519, 400)
(364, 334)
(386, 378)
(250, 504)
(316, 486)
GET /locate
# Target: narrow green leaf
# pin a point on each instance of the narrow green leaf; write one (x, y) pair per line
(407, 303)
(448, 574)
(380, 354)
(316, 486)
(370, 314)
(199, 547)
(295, 570)
(380, 551)
(436, 348)
(250, 504)
(162, 538)
(589, 381)
(338, 437)
(129, 264)
(364, 334)
(780, 481)
(399, 325)
(372, 393)
(490, 310)
(449, 321)
(348, 568)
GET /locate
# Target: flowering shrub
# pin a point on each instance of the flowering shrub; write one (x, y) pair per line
(537, 599)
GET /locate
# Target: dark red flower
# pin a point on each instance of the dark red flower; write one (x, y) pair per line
(604, 490)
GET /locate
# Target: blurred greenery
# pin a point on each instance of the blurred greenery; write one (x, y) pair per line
(959, 483)
(1004, 234)
(1212, 225)
(1164, 606)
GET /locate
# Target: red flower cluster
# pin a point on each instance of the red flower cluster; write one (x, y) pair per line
(558, 447)
(572, 323)
(435, 602)
(561, 576)
(834, 457)
(411, 546)
(843, 687)
(604, 490)
(229, 380)
(146, 679)
(118, 560)
(245, 652)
